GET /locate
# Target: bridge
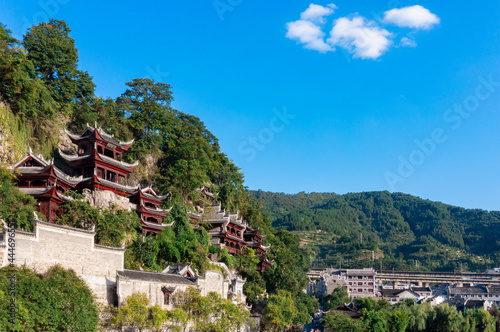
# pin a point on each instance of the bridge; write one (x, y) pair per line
(426, 278)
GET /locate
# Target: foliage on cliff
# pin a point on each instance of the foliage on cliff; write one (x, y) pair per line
(400, 229)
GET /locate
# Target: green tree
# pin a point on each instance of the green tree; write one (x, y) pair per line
(376, 320)
(211, 313)
(16, 207)
(134, 312)
(177, 319)
(479, 320)
(148, 103)
(337, 297)
(54, 301)
(280, 311)
(55, 58)
(342, 323)
(399, 320)
(445, 318)
(28, 97)
(418, 318)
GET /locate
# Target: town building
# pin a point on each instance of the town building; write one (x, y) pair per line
(398, 295)
(423, 292)
(361, 282)
(329, 280)
(477, 293)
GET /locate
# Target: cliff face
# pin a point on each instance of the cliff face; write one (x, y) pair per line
(13, 137)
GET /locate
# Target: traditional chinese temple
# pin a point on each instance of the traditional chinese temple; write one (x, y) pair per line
(45, 182)
(99, 160)
(230, 231)
(148, 207)
(98, 166)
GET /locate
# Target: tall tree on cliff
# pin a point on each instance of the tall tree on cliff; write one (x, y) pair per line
(55, 58)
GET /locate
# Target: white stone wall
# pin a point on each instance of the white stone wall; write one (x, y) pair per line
(127, 287)
(213, 281)
(74, 249)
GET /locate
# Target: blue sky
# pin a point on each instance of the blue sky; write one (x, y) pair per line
(355, 96)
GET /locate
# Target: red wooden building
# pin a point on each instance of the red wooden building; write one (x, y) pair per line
(148, 207)
(98, 165)
(99, 160)
(45, 182)
(233, 233)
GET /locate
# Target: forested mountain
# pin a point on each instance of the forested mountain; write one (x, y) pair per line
(392, 230)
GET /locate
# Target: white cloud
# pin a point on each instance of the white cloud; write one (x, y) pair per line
(407, 42)
(316, 13)
(360, 37)
(308, 34)
(416, 17)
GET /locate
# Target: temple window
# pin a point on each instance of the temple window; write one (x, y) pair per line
(23, 184)
(108, 153)
(111, 176)
(100, 172)
(150, 205)
(151, 219)
(118, 156)
(83, 149)
(166, 299)
(123, 181)
(99, 149)
(38, 184)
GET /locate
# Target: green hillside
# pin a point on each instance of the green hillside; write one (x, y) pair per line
(43, 92)
(393, 230)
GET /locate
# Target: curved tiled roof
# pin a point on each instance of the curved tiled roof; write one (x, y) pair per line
(155, 277)
(109, 160)
(90, 131)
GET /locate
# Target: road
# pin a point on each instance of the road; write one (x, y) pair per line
(316, 323)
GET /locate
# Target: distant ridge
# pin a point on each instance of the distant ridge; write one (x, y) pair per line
(402, 230)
